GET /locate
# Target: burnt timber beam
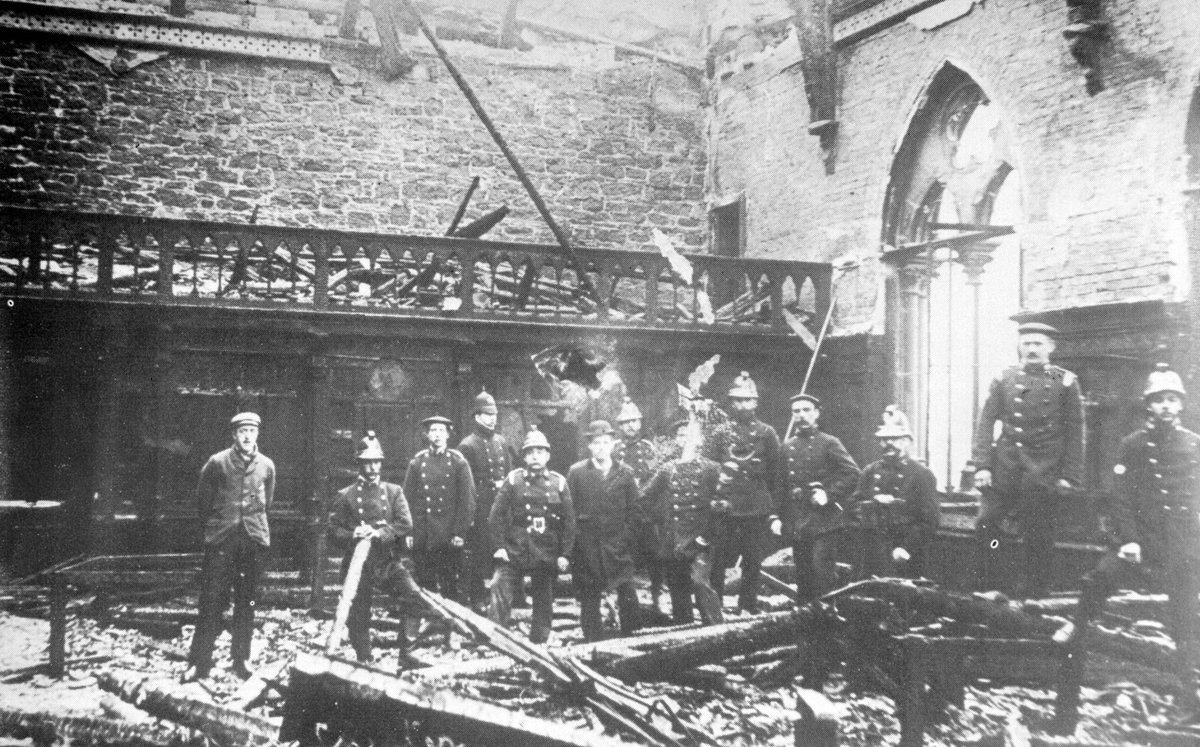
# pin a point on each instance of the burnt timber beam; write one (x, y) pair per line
(535, 196)
(358, 704)
(222, 725)
(462, 206)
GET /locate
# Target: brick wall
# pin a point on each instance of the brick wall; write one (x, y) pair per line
(1101, 176)
(615, 148)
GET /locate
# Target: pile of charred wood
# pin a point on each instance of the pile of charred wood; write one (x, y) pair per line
(917, 644)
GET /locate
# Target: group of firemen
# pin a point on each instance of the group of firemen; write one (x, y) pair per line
(470, 525)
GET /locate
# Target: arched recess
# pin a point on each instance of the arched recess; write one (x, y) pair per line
(953, 198)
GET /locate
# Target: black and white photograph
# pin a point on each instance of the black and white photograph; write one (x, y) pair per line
(563, 373)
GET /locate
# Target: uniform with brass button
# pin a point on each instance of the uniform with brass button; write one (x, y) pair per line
(1038, 455)
(441, 496)
(374, 509)
(895, 506)
(640, 455)
(532, 523)
(678, 501)
(491, 459)
(816, 478)
(1156, 487)
(235, 492)
(745, 493)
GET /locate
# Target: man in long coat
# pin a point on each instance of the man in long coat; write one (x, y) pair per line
(1037, 456)
(372, 509)
(1157, 513)
(745, 493)
(491, 459)
(441, 495)
(532, 522)
(816, 478)
(636, 451)
(605, 495)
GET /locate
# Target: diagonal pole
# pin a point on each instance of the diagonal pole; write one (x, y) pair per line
(584, 282)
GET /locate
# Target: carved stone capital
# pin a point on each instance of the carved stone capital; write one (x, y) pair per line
(973, 259)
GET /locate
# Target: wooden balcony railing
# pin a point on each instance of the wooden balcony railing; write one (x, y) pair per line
(122, 258)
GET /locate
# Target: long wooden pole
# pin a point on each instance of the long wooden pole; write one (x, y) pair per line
(534, 195)
(349, 591)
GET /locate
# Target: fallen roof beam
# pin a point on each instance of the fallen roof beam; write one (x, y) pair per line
(360, 705)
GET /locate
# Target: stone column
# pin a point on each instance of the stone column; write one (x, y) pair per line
(914, 274)
(973, 259)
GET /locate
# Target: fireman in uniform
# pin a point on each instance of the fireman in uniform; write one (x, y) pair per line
(640, 455)
(679, 501)
(532, 523)
(816, 479)
(745, 491)
(374, 510)
(895, 506)
(1038, 455)
(1157, 513)
(605, 496)
(491, 460)
(237, 486)
(441, 495)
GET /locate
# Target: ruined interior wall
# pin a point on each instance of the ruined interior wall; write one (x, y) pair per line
(615, 146)
(1101, 176)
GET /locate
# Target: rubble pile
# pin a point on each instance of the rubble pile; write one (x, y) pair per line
(751, 680)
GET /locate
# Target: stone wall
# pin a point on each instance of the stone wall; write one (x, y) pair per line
(1101, 176)
(615, 146)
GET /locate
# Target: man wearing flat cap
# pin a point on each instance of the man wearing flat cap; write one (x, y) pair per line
(235, 492)
(373, 510)
(745, 493)
(441, 496)
(605, 495)
(816, 478)
(1022, 472)
(1156, 487)
(895, 506)
(532, 523)
(491, 460)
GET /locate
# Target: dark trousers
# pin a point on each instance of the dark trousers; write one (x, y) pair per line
(646, 556)
(508, 581)
(439, 570)
(744, 537)
(1179, 576)
(687, 576)
(478, 563)
(815, 557)
(392, 576)
(589, 589)
(1035, 507)
(234, 563)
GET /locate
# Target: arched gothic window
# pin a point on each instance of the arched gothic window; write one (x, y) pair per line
(952, 201)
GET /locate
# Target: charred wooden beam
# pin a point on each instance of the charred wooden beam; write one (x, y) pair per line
(84, 731)
(482, 225)
(356, 704)
(462, 206)
(708, 646)
(221, 725)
